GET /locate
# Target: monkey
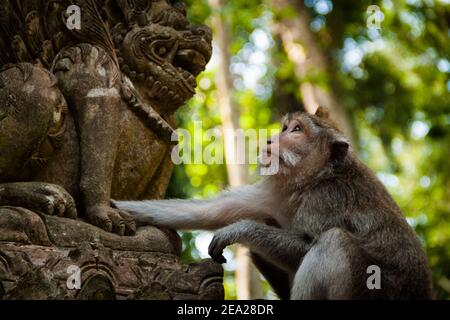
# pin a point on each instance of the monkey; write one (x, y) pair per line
(316, 227)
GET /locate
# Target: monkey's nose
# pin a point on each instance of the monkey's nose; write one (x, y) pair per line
(269, 141)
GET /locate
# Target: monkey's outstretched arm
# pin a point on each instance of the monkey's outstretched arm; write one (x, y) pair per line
(246, 202)
(281, 247)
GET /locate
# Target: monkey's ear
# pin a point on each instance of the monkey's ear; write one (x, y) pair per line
(322, 113)
(339, 150)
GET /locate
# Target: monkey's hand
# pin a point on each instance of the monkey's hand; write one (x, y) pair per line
(225, 237)
(47, 198)
(220, 241)
(111, 219)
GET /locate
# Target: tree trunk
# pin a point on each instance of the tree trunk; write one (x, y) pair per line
(248, 285)
(303, 50)
(284, 100)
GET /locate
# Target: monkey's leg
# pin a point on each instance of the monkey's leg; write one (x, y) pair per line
(277, 278)
(332, 269)
(281, 247)
(89, 80)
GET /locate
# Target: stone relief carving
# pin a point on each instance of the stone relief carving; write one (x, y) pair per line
(85, 116)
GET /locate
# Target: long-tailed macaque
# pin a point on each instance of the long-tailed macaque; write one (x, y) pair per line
(322, 227)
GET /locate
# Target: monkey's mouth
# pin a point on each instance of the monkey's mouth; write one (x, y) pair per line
(271, 152)
(266, 157)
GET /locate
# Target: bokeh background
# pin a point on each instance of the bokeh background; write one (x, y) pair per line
(390, 83)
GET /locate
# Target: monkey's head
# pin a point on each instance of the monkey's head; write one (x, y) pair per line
(308, 146)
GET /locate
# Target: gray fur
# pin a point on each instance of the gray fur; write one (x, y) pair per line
(313, 229)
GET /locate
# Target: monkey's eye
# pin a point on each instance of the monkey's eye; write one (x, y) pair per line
(297, 129)
(284, 128)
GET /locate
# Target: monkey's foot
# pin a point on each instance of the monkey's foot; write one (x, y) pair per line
(47, 198)
(111, 220)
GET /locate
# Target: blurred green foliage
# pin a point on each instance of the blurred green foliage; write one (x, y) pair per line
(393, 81)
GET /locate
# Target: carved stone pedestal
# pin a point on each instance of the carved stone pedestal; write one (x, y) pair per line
(45, 257)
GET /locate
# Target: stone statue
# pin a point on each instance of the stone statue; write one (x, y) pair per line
(86, 115)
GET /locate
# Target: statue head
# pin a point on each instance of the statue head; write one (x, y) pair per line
(161, 52)
(31, 111)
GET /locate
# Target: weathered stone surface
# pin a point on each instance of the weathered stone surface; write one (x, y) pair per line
(91, 110)
(87, 115)
(36, 257)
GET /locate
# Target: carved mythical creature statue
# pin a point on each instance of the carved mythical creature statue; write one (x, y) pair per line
(86, 115)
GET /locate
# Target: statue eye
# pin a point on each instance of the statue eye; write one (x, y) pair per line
(297, 129)
(161, 51)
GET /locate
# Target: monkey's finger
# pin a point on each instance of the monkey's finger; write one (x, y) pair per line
(216, 254)
(212, 246)
(215, 250)
(220, 259)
